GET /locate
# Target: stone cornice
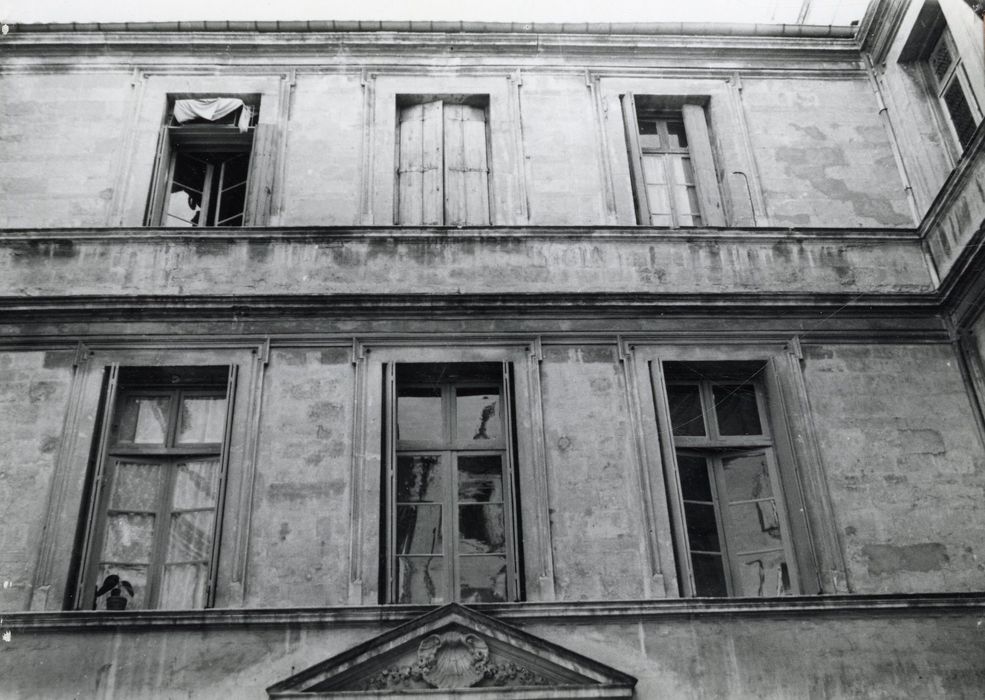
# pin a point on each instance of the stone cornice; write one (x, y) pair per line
(857, 606)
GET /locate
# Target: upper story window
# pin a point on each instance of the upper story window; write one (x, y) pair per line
(206, 149)
(953, 89)
(452, 512)
(157, 489)
(674, 178)
(730, 510)
(442, 160)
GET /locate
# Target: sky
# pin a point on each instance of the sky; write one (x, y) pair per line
(777, 11)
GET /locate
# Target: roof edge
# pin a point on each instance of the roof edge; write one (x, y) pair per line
(447, 27)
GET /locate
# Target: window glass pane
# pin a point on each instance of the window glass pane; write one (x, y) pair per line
(196, 484)
(702, 528)
(747, 477)
(184, 205)
(480, 479)
(735, 406)
(659, 200)
(709, 575)
(685, 409)
(478, 414)
(957, 107)
(231, 205)
(136, 486)
(419, 529)
(183, 587)
(190, 537)
(695, 485)
(419, 478)
(763, 575)
(129, 538)
(653, 170)
(421, 580)
(136, 576)
(481, 529)
(676, 134)
(753, 527)
(482, 579)
(144, 419)
(647, 126)
(202, 419)
(419, 416)
(940, 59)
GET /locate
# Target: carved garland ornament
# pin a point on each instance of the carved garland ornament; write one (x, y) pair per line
(453, 660)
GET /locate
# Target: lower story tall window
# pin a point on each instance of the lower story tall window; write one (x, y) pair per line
(156, 505)
(733, 535)
(451, 511)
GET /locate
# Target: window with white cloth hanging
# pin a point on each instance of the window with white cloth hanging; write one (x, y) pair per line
(442, 160)
(158, 488)
(204, 163)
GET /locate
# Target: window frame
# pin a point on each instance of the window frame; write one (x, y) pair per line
(450, 449)
(814, 537)
(714, 448)
(216, 138)
(954, 75)
(110, 451)
(691, 110)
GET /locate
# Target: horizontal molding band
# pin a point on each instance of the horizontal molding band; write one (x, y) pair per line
(576, 612)
(452, 233)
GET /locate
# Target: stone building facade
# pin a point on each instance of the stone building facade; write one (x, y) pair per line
(340, 359)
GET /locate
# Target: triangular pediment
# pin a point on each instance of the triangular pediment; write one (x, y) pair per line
(455, 651)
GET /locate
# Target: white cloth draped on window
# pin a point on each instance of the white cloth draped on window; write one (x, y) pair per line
(212, 108)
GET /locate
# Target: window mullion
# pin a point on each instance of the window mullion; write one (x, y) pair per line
(717, 481)
(451, 525)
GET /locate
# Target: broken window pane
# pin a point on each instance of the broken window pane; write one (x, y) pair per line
(419, 478)
(482, 579)
(419, 529)
(478, 414)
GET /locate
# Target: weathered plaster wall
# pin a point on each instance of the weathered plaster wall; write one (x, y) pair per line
(322, 163)
(905, 465)
(467, 262)
(835, 655)
(300, 536)
(561, 145)
(61, 138)
(960, 215)
(34, 390)
(823, 153)
(596, 508)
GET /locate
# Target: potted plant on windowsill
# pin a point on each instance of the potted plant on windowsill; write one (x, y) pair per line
(115, 586)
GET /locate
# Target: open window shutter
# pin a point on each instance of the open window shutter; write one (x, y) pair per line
(87, 581)
(420, 194)
(699, 146)
(806, 563)
(260, 183)
(466, 167)
(223, 469)
(389, 474)
(635, 158)
(159, 180)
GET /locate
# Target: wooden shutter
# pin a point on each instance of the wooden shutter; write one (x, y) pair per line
(87, 581)
(220, 506)
(420, 190)
(260, 182)
(635, 158)
(466, 166)
(703, 162)
(160, 180)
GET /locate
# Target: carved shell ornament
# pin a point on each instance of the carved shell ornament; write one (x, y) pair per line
(452, 659)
